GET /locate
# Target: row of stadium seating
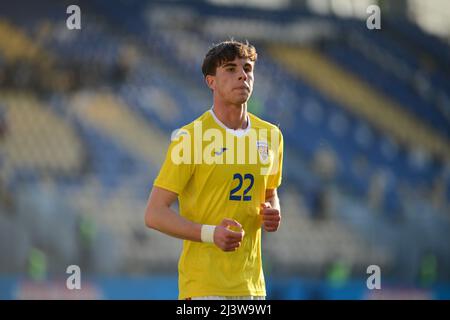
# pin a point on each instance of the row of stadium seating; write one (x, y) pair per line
(349, 179)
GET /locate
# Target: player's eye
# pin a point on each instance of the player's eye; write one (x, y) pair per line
(231, 69)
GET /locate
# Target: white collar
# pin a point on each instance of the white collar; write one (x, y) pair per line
(238, 132)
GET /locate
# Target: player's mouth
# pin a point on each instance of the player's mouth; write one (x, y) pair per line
(243, 87)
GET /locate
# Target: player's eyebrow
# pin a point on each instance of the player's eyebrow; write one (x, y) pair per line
(232, 64)
(229, 64)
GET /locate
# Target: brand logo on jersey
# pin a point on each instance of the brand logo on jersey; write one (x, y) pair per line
(263, 150)
(222, 150)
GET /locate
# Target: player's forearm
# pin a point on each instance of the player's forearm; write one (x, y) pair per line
(166, 220)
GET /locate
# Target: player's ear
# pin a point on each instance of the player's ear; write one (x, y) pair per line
(210, 81)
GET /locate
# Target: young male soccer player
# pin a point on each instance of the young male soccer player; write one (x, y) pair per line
(225, 168)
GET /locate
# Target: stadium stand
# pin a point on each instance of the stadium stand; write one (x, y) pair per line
(366, 121)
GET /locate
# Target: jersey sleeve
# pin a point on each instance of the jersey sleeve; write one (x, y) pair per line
(274, 180)
(176, 170)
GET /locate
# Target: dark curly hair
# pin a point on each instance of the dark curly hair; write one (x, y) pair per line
(224, 52)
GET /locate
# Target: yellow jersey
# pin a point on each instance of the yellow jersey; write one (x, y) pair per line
(220, 173)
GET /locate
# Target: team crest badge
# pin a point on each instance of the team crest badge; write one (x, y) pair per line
(263, 150)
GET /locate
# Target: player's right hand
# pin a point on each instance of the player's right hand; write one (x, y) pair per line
(226, 239)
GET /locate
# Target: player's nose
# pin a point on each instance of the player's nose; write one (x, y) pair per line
(243, 75)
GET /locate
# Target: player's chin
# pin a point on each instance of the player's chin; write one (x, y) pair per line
(243, 98)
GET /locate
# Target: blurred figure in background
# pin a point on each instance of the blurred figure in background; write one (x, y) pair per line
(325, 165)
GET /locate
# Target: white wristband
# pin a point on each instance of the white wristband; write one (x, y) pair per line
(207, 234)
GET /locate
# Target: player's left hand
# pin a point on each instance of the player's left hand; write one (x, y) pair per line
(270, 216)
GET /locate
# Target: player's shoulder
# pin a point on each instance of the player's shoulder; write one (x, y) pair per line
(258, 123)
(189, 128)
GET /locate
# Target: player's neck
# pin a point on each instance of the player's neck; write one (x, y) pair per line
(232, 116)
